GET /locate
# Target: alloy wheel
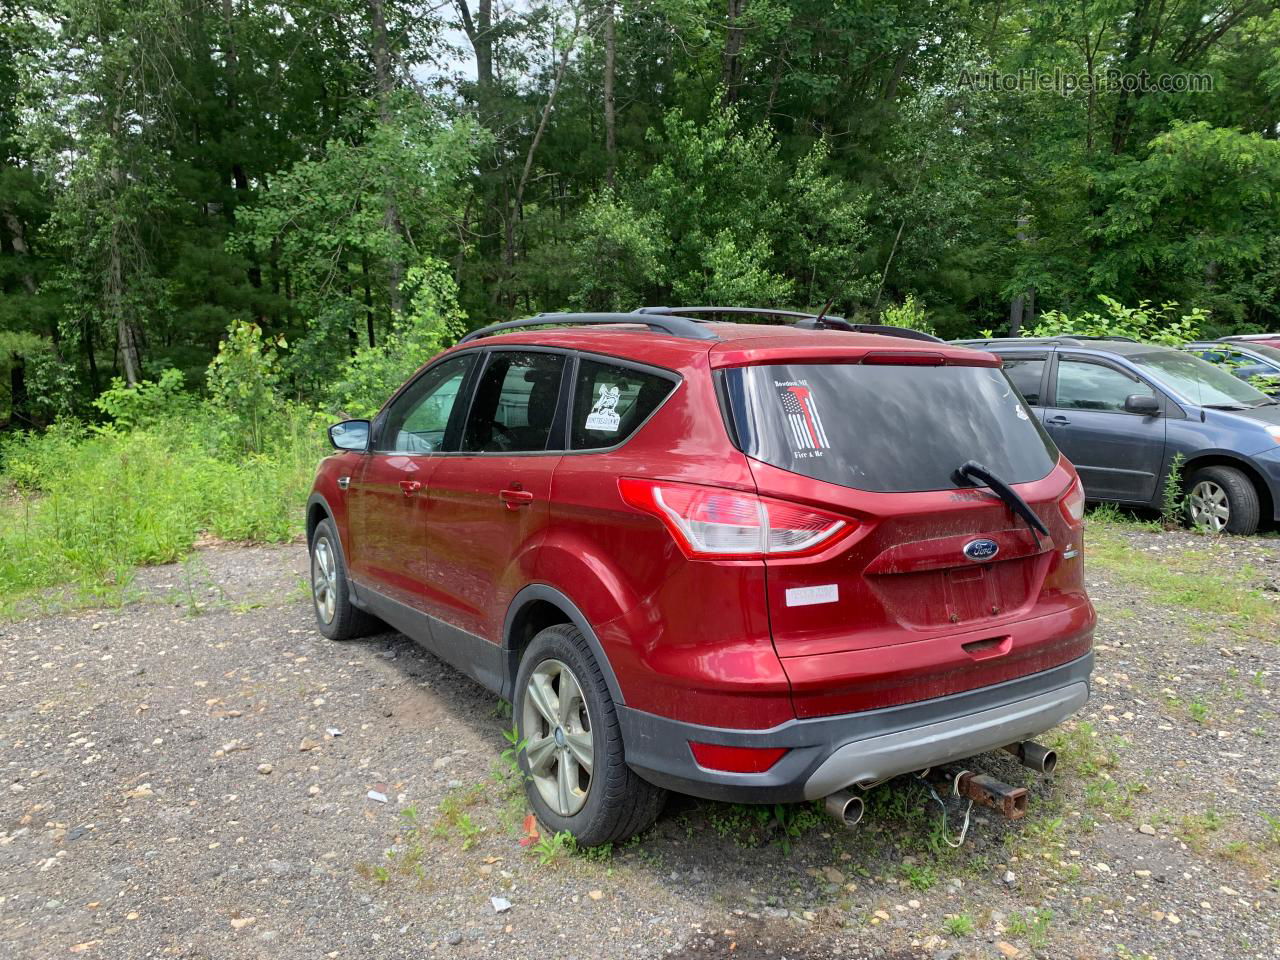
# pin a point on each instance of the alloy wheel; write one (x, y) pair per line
(558, 739)
(1210, 507)
(324, 579)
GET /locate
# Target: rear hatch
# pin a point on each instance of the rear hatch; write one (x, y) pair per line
(929, 591)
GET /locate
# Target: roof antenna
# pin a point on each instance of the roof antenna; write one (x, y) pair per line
(817, 321)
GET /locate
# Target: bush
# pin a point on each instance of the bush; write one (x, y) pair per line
(910, 315)
(243, 379)
(1147, 324)
(145, 403)
(92, 504)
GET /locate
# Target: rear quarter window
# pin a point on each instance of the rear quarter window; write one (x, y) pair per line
(886, 429)
(610, 401)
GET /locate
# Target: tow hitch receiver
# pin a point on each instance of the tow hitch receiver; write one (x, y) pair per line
(990, 792)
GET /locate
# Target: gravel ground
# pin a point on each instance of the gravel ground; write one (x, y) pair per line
(200, 774)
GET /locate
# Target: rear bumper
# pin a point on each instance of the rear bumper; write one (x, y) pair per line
(826, 754)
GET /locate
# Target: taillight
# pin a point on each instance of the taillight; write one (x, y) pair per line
(1073, 503)
(715, 523)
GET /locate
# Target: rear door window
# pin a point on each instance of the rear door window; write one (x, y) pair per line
(887, 428)
(611, 400)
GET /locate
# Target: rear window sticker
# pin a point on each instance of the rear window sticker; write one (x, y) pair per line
(604, 415)
(804, 423)
(808, 596)
(1022, 414)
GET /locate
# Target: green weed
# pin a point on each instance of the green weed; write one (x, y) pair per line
(1032, 926)
(919, 878)
(551, 849)
(958, 925)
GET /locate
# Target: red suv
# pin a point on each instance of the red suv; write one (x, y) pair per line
(748, 562)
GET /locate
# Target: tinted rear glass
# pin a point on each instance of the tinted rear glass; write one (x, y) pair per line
(886, 428)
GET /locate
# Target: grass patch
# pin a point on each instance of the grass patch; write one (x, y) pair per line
(1196, 828)
(1193, 579)
(86, 506)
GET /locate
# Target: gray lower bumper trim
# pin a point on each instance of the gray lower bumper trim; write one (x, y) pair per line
(878, 758)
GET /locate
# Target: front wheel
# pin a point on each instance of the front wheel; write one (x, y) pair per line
(576, 777)
(336, 617)
(1223, 500)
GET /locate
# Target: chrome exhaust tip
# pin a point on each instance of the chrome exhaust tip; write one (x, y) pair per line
(1033, 756)
(845, 808)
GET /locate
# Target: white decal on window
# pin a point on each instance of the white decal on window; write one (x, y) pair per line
(808, 596)
(1022, 414)
(603, 415)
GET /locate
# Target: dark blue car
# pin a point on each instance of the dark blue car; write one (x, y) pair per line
(1121, 411)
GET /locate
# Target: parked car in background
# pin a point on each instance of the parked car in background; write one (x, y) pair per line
(750, 562)
(1264, 339)
(1121, 411)
(1249, 360)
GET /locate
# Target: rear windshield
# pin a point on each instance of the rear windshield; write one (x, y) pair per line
(888, 428)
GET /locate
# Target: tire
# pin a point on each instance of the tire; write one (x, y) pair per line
(610, 803)
(336, 618)
(1215, 491)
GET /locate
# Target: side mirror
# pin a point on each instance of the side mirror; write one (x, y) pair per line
(1142, 404)
(350, 435)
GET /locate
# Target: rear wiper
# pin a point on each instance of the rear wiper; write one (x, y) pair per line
(971, 471)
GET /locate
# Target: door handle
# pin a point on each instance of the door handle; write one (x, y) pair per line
(515, 499)
(1057, 421)
(410, 487)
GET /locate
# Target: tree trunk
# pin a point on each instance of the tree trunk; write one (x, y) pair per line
(368, 297)
(731, 73)
(18, 240)
(18, 412)
(1015, 316)
(391, 211)
(479, 32)
(1018, 306)
(90, 356)
(610, 62)
(509, 256)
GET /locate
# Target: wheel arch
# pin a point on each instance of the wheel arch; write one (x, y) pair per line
(1266, 502)
(533, 609)
(317, 510)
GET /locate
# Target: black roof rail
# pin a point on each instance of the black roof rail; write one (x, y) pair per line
(886, 330)
(1028, 341)
(753, 311)
(804, 321)
(676, 326)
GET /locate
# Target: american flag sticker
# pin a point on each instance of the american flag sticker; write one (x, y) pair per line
(803, 420)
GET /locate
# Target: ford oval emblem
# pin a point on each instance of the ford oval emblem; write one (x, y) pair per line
(981, 550)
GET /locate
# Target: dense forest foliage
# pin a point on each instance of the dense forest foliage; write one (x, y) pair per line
(342, 186)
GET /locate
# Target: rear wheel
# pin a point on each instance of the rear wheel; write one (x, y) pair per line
(330, 591)
(1223, 500)
(576, 776)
